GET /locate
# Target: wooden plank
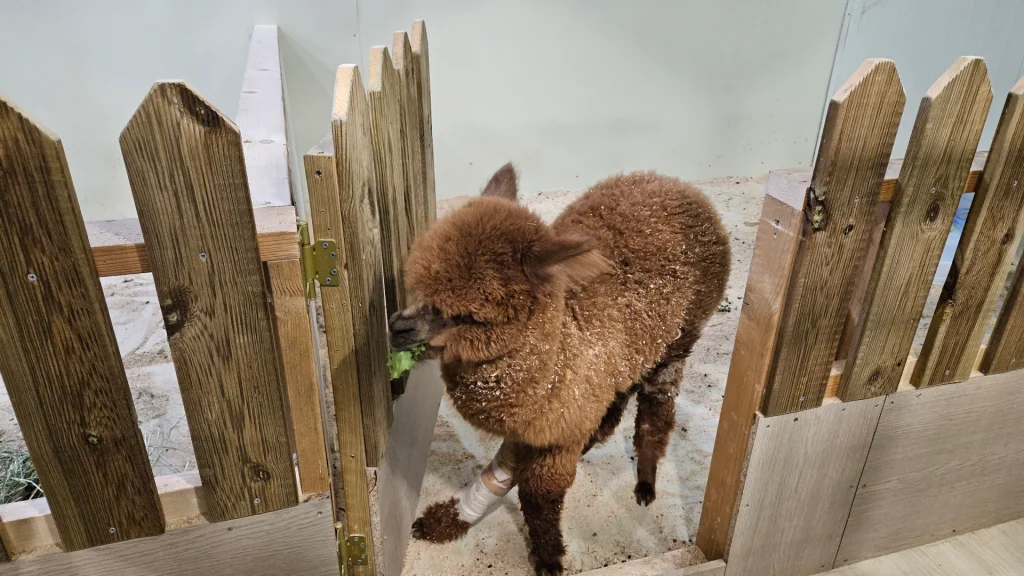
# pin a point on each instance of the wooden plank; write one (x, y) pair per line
(298, 366)
(118, 247)
(385, 98)
(778, 236)
(411, 129)
(322, 183)
(858, 135)
(944, 461)
(863, 280)
(983, 257)
(400, 477)
(261, 120)
(939, 156)
(29, 530)
(185, 167)
(297, 540)
(422, 52)
(1005, 350)
(994, 550)
(58, 355)
(888, 189)
(679, 562)
(801, 479)
(360, 226)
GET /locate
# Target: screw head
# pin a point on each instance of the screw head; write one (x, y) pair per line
(334, 271)
(202, 256)
(113, 530)
(255, 500)
(325, 244)
(32, 277)
(333, 255)
(327, 280)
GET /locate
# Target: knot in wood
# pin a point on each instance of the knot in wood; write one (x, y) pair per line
(816, 211)
(259, 472)
(932, 214)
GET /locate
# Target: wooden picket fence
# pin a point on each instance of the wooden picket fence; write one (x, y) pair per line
(217, 229)
(836, 443)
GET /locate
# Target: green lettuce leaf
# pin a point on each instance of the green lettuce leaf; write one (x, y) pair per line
(401, 362)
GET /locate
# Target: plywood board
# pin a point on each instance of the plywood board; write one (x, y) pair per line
(401, 475)
(801, 479)
(990, 551)
(945, 461)
(297, 540)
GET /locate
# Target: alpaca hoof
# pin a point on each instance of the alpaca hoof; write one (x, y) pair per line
(644, 492)
(440, 523)
(548, 567)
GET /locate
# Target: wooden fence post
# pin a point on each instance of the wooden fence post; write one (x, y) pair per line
(187, 174)
(58, 354)
(360, 227)
(983, 257)
(322, 182)
(811, 235)
(931, 181)
(420, 49)
(411, 129)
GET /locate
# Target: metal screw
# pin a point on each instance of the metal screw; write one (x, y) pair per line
(325, 244)
(333, 255)
(202, 256)
(255, 500)
(933, 190)
(327, 280)
(362, 544)
(1014, 182)
(334, 271)
(32, 277)
(113, 530)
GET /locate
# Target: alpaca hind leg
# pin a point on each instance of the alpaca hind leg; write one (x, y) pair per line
(544, 477)
(611, 418)
(451, 519)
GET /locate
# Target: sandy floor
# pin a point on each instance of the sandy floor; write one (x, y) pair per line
(602, 523)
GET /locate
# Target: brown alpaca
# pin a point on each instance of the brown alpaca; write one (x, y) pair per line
(544, 332)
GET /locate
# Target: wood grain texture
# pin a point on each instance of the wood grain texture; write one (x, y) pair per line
(860, 127)
(322, 182)
(1005, 350)
(939, 156)
(411, 128)
(297, 540)
(360, 226)
(944, 461)
(384, 94)
(118, 248)
(294, 337)
(801, 479)
(28, 528)
(778, 237)
(261, 120)
(421, 50)
(994, 550)
(983, 257)
(185, 167)
(58, 355)
(400, 476)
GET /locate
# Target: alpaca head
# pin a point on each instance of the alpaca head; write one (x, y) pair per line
(478, 275)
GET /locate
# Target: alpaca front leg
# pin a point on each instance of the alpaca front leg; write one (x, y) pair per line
(450, 520)
(544, 476)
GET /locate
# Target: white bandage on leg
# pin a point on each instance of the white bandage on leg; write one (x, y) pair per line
(477, 499)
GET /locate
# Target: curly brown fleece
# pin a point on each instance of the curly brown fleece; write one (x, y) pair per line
(543, 330)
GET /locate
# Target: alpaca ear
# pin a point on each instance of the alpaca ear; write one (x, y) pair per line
(574, 258)
(504, 184)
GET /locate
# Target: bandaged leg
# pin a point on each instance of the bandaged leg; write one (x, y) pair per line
(479, 498)
(450, 520)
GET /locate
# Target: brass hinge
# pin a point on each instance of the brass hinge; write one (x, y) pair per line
(353, 550)
(319, 262)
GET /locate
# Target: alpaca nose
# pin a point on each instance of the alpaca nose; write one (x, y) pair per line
(405, 331)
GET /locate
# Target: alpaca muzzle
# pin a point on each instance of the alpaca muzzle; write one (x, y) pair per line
(414, 326)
